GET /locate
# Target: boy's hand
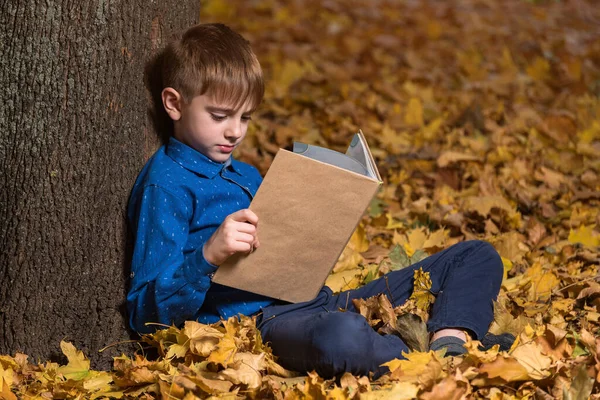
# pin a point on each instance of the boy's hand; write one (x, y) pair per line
(236, 234)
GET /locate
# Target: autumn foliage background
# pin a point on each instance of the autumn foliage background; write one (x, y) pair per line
(484, 118)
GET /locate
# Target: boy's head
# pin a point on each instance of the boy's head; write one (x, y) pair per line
(212, 81)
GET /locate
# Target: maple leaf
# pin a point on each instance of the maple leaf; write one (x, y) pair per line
(542, 282)
(225, 351)
(6, 381)
(203, 339)
(421, 290)
(506, 368)
(585, 235)
(78, 367)
(350, 257)
(530, 356)
(344, 280)
(424, 368)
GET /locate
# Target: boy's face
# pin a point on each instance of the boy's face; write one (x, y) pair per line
(214, 130)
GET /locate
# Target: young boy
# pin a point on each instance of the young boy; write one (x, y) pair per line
(189, 213)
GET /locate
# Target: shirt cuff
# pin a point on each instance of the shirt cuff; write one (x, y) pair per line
(199, 272)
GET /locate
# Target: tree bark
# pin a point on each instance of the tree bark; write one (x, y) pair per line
(74, 133)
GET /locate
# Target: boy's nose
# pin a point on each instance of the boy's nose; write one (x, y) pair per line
(234, 131)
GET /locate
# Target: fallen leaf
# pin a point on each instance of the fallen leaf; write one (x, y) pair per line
(78, 367)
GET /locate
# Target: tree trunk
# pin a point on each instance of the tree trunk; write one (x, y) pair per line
(74, 133)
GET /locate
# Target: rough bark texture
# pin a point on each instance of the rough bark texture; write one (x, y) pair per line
(74, 133)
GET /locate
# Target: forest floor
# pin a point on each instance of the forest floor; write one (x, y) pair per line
(484, 119)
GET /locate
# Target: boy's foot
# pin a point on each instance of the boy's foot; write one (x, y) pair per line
(452, 344)
(505, 340)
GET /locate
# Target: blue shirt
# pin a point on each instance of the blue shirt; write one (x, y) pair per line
(179, 199)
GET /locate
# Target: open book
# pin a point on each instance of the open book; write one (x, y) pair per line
(309, 203)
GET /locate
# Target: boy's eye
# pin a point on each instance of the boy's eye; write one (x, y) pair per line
(217, 117)
(246, 117)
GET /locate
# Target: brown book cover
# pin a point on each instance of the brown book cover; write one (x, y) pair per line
(307, 211)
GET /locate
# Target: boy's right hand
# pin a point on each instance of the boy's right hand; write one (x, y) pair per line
(236, 234)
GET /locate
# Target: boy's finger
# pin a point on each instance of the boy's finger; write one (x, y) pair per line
(245, 228)
(245, 215)
(244, 238)
(242, 247)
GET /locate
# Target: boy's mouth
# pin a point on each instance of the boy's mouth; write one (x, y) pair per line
(225, 148)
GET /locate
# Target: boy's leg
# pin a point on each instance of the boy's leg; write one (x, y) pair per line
(330, 342)
(465, 279)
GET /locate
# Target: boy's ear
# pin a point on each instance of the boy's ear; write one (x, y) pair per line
(172, 102)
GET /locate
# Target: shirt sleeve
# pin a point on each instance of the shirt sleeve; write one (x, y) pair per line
(167, 286)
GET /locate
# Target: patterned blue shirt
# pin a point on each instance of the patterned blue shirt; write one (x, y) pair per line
(179, 199)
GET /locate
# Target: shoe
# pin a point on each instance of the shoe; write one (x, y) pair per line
(505, 340)
(453, 345)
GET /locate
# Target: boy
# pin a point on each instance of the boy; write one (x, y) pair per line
(188, 212)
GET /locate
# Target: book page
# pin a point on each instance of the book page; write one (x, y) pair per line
(359, 150)
(331, 157)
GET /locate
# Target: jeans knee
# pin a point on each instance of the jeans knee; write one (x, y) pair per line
(494, 263)
(340, 338)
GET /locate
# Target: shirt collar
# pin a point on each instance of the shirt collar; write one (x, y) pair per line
(195, 161)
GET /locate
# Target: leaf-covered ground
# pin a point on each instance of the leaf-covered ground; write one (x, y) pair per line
(484, 117)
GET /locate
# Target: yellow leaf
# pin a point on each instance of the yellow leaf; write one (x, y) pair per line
(225, 351)
(399, 391)
(291, 72)
(508, 65)
(436, 240)
(507, 264)
(484, 204)
(542, 282)
(337, 393)
(414, 112)
(421, 294)
(412, 241)
(177, 350)
(539, 70)
(209, 382)
(447, 389)
(506, 368)
(393, 223)
(414, 364)
(246, 370)
(98, 381)
(434, 29)
(78, 367)
(510, 246)
(470, 62)
(450, 157)
(585, 235)
(6, 381)
(218, 9)
(481, 356)
(431, 130)
(314, 387)
(590, 134)
(351, 257)
(344, 280)
(531, 358)
(203, 339)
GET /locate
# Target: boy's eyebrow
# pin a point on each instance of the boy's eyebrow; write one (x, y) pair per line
(223, 110)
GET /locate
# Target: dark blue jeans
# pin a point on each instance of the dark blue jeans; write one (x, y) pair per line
(316, 335)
